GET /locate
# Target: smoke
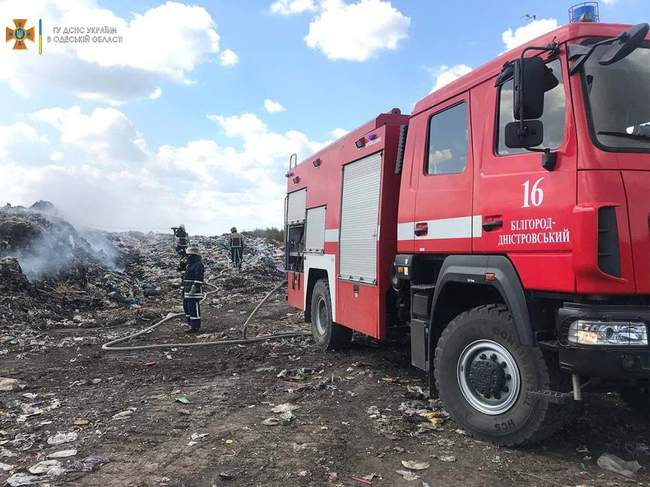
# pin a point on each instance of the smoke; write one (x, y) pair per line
(48, 247)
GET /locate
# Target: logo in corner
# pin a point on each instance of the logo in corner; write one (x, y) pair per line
(20, 35)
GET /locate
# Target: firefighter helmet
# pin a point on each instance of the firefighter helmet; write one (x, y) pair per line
(192, 250)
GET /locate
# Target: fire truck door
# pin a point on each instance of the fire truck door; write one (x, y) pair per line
(526, 209)
(444, 167)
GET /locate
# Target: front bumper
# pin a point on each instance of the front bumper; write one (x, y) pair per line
(606, 362)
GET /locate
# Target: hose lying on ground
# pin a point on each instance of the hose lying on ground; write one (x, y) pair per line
(110, 346)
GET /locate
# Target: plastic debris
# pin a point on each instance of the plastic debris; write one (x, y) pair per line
(413, 465)
(124, 414)
(436, 418)
(61, 438)
(4, 452)
(90, 463)
(22, 478)
(44, 467)
(272, 421)
(415, 392)
(407, 475)
(63, 454)
(447, 458)
(194, 437)
(286, 407)
(612, 463)
(362, 480)
(5, 467)
(7, 384)
(182, 398)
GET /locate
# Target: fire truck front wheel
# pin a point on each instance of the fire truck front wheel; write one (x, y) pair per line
(484, 376)
(327, 334)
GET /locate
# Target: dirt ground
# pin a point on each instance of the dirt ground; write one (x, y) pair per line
(348, 429)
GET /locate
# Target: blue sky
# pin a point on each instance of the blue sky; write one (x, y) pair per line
(162, 131)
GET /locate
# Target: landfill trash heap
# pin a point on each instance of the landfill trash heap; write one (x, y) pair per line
(53, 275)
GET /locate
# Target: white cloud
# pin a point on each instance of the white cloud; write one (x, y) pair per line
(21, 142)
(337, 133)
(207, 185)
(106, 134)
(262, 147)
(228, 58)
(446, 74)
(357, 31)
(292, 7)
(528, 32)
(166, 42)
(273, 106)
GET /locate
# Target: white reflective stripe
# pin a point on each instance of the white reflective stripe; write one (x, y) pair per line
(198, 311)
(326, 262)
(331, 234)
(477, 226)
(405, 231)
(446, 228)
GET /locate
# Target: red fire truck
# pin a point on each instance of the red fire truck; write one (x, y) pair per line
(504, 224)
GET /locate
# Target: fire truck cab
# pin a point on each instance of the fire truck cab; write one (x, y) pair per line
(505, 224)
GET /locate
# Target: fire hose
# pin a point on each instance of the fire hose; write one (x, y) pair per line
(110, 346)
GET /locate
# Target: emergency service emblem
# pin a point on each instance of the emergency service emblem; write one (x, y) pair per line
(19, 34)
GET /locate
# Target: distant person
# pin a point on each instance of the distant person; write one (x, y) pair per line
(182, 239)
(236, 244)
(193, 289)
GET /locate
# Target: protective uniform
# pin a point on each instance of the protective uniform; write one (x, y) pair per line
(236, 244)
(182, 239)
(193, 289)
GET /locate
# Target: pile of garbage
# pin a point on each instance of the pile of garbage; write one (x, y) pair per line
(53, 275)
(47, 246)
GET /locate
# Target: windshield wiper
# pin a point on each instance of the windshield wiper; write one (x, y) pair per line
(625, 135)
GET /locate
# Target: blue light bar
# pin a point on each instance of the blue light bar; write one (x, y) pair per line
(584, 12)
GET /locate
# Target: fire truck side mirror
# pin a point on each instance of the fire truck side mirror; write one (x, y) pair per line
(528, 134)
(531, 81)
(627, 42)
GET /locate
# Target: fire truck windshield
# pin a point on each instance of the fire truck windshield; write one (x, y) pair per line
(619, 100)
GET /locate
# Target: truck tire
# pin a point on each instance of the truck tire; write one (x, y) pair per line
(483, 376)
(327, 334)
(638, 398)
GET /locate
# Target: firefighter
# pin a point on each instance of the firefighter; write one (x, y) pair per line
(193, 289)
(182, 239)
(236, 244)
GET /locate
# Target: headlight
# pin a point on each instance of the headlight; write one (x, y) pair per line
(613, 333)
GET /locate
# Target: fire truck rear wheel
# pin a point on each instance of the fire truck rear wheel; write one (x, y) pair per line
(327, 334)
(483, 375)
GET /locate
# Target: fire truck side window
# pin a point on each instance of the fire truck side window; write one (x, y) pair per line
(447, 152)
(553, 117)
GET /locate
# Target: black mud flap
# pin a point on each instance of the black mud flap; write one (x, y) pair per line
(419, 344)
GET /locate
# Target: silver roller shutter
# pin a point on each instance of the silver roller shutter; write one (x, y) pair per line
(315, 233)
(296, 206)
(359, 219)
